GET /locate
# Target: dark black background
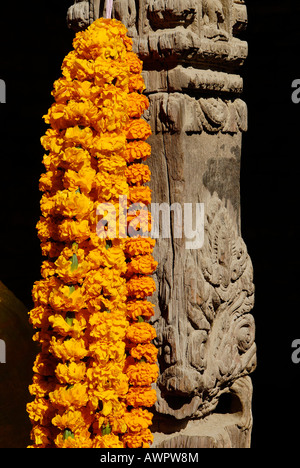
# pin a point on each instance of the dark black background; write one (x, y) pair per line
(270, 222)
(34, 39)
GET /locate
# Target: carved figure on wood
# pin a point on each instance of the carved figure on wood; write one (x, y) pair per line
(214, 18)
(212, 344)
(78, 16)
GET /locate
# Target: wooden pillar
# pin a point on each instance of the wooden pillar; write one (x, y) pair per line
(192, 56)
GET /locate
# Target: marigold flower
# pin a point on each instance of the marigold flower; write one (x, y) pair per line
(138, 129)
(52, 141)
(72, 267)
(73, 419)
(137, 104)
(70, 230)
(140, 195)
(113, 164)
(141, 396)
(102, 281)
(109, 186)
(44, 365)
(67, 298)
(51, 181)
(117, 424)
(109, 71)
(42, 385)
(107, 325)
(107, 441)
(51, 249)
(75, 396)
(104, 350)
(64, 90)
(40, 411)
(82, 180)
(112, 257)
(140, 308)
(140, 440)
(135, 64)
(138, 419)
(137, 150)
(108, 145)
(146, 351)
(47, 229)
(42, 289)
(67, 439)
(38, 317)
(138, 174)
(122, 386)
(75, 158)
(136, 83)
(78, 137)
(141, 332)
(70, 373)
(141, 374)
(42, 436)
(68, 349)
(76, 68)
(139, 246)
(67, 204)
(47, 269)
(142, 264)
(66, 325)
(140, 287)
(61, 116)
(139, 219)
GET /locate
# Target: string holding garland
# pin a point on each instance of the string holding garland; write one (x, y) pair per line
(109, 5)
(93, 375)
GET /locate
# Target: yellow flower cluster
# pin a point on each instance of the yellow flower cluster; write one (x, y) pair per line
(93, 374)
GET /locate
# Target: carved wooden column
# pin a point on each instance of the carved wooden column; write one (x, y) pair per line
(192, 56)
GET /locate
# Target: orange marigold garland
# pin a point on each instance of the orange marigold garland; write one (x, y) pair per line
(141, 368)
(93, 375)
